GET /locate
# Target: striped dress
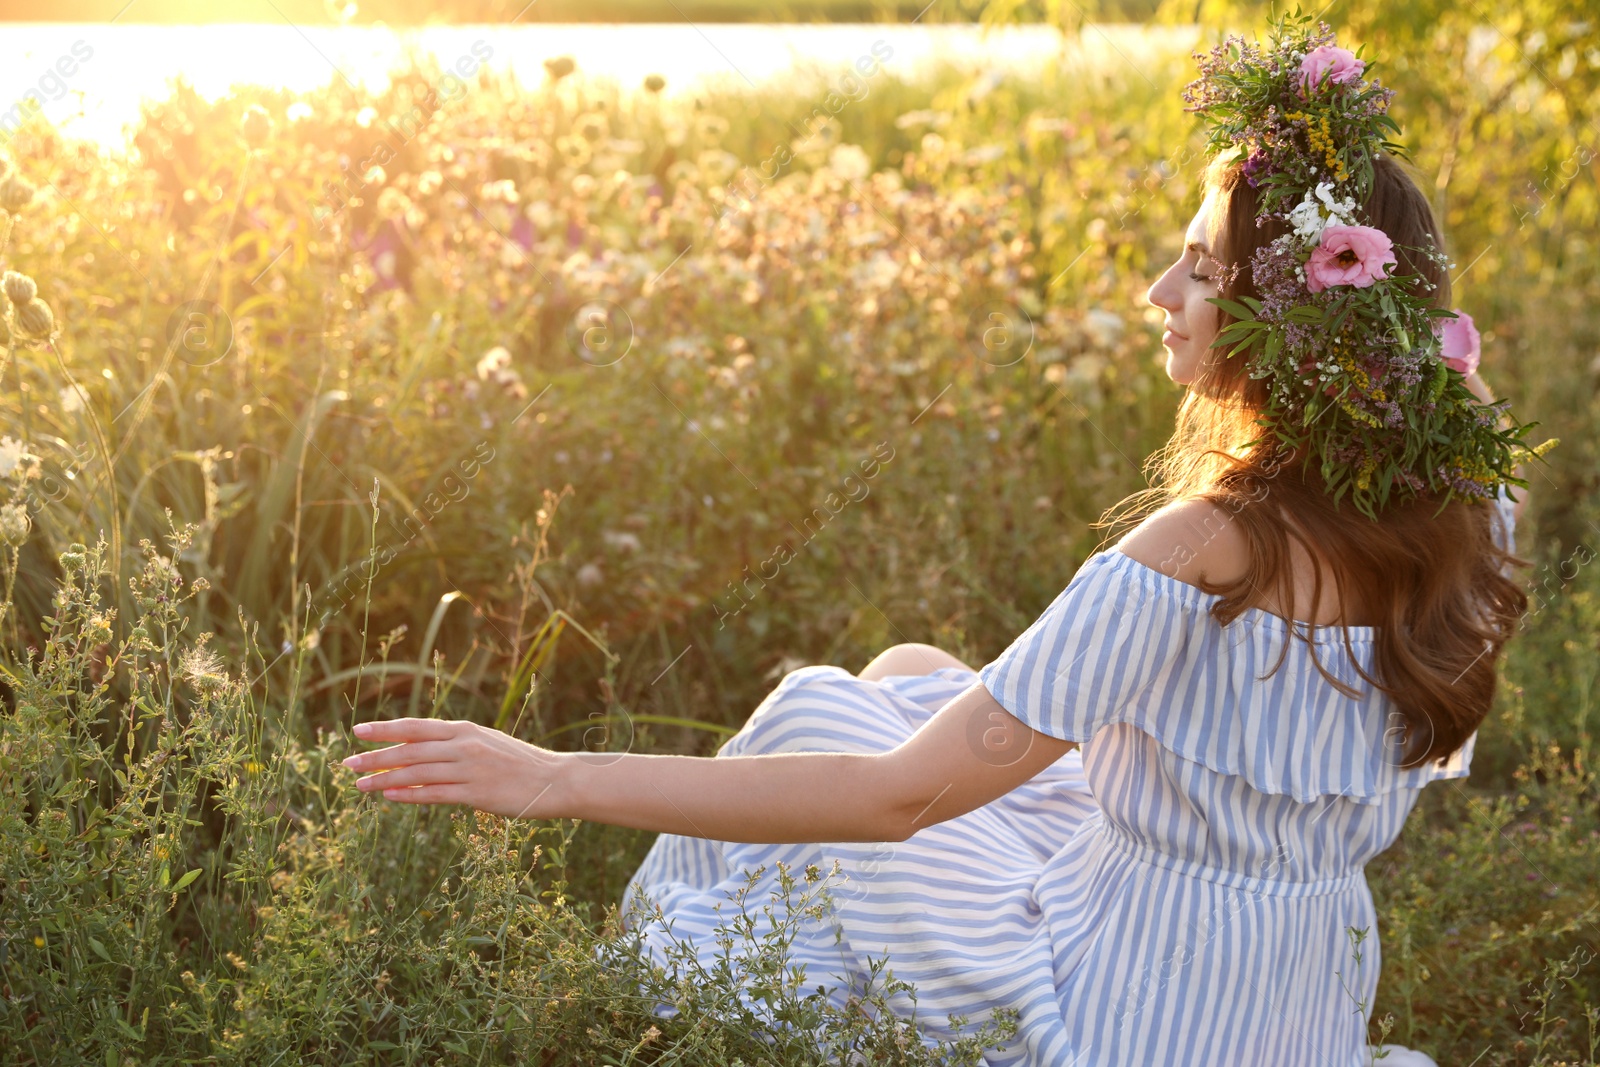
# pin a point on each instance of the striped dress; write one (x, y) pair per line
(1179, 890)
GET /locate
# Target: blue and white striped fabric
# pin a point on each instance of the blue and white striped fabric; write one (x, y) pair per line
(1176, 891)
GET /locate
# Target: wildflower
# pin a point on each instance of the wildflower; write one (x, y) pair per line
(717, 165)
(590, 574)
(1340, 211)
(203, 669)
(74, 558)
(38, 942)
(495, 366)
(849, 162)
(502, 191)
(12, 454)
(98, 629)
(19, 288)
(14, 524)
(1331, 64)
(623, 540)
(712, 128)
(255, 125)
(35, 321)
(574, 149)
(73, 397)
(1349, 255)
(1256, 164)
(1103, 327)
(394, 204)
(16, 192)
(1459, 342)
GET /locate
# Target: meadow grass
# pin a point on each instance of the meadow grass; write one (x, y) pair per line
(301, 487)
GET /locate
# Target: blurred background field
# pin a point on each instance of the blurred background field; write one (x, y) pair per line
(506, 404)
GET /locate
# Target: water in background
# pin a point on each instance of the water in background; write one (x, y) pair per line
(91, 77)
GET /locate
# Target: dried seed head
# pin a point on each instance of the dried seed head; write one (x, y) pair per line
(655, 83)
(19, 288)
(16, 192)
(203, 669)
(34, 320)
(255, 125)
(14, 524)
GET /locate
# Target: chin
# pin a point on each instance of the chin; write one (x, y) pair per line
(1180, 368)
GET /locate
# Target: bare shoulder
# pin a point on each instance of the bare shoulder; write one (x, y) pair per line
(1188, 540)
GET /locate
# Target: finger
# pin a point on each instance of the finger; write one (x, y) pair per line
(428, 794)
(417, 774)
(409, 729)
(402, 755)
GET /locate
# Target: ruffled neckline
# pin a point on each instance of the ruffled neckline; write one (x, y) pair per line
(1195, 598)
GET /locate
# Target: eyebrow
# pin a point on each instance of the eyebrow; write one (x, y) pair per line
(1197, 246)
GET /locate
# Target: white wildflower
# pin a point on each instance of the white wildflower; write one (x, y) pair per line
(1103, 327)
(987, 153)
(504, 191)
(12, 453)
(849, 162)
(494, 362)
(1341, 212)
(623, 540)
(1307, 219)
(539, 213)
(878, 272)
(73, 398)
(935, 119)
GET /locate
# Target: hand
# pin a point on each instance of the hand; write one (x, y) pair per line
(444, 762)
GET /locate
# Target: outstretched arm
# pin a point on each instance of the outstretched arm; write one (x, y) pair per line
(970, 752)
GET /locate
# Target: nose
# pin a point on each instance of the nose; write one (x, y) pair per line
(1161, 293)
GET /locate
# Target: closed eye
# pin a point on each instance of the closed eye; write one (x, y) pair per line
(1200, 277)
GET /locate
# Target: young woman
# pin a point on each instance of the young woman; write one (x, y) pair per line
(1144, 824)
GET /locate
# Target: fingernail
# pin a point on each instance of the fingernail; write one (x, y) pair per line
(362, 729)
(353, 761)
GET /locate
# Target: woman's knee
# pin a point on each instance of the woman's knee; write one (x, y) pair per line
(912, 657)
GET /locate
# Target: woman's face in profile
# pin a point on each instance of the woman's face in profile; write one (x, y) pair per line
(1181, 292)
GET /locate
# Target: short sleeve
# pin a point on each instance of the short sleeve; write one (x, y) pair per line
(1087, 657)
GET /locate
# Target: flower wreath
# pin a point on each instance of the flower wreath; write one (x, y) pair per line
(1366, 377)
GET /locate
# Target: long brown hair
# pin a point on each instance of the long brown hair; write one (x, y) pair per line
(1432, 581)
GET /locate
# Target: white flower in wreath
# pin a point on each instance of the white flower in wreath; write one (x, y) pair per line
(1341, 212)
(1319, 210)
(1307, 219)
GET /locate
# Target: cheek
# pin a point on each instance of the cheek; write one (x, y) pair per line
(1202, 320)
